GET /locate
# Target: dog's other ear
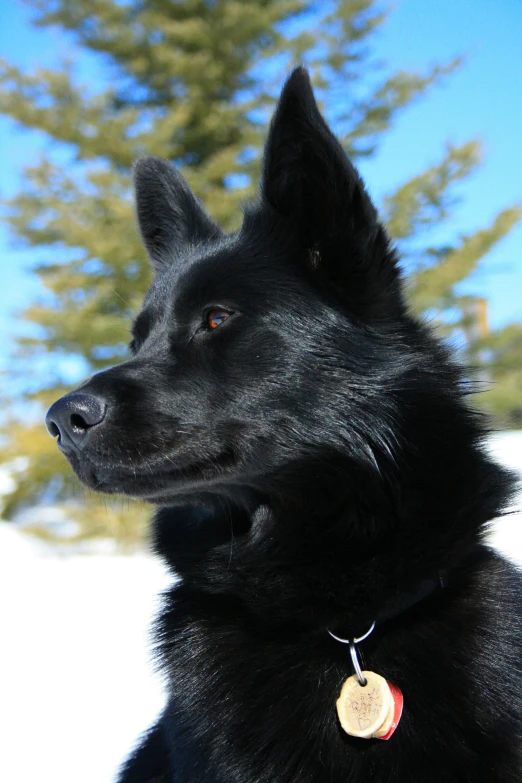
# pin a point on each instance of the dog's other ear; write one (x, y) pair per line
(308, 179)
(169, 215)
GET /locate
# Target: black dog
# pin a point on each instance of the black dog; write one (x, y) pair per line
(316, 469)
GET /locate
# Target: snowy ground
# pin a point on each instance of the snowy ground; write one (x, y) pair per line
(76, 684)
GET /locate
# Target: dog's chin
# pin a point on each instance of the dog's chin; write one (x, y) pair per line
(154, 485)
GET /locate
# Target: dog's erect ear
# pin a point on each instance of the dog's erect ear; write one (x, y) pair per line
(308, 179)
(169, 215)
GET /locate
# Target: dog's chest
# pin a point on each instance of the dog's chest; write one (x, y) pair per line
(252, 704)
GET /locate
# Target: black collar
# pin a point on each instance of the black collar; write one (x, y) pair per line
(405, 600)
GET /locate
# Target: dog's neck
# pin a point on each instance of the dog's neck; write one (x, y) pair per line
(332, 547)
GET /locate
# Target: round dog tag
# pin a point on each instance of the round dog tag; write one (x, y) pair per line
(364, 709)
(370, 711)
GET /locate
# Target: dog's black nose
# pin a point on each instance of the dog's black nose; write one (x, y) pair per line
(73, 417)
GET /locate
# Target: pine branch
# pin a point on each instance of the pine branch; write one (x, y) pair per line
(367, 120)
(51, 102)
(433, 286)
(425, 200)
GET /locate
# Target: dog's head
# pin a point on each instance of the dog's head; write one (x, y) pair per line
(257, 350)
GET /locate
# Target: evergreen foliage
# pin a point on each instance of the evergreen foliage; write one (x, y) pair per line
(194, 82)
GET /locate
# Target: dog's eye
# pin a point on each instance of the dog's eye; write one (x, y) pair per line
(216, 317)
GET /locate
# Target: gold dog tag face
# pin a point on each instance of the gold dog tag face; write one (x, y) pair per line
(364, 710)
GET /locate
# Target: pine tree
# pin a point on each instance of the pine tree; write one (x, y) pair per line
(193, 82)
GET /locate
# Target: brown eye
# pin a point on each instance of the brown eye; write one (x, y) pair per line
(216, 317)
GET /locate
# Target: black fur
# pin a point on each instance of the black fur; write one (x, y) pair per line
(310, 457)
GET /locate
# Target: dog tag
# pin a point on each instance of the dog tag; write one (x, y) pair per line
(372, 710)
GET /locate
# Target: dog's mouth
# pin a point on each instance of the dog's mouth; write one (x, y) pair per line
(153, 483)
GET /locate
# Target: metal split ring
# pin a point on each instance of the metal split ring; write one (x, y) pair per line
(353, 641)
(353, 653)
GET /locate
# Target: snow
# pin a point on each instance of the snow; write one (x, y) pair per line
(76, 679)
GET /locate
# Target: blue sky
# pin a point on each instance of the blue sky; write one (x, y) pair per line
(483, 99)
